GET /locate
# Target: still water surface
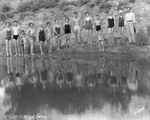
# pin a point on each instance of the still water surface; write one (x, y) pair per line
(68, 89)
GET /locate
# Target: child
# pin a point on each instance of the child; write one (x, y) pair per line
(67, 30)
(57, 32)
(16, 30)
(48, 32)
(41, 37)
(31, 33)
(23, 39)
(8, 36)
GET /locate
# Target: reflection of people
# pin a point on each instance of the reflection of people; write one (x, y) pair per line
(91, 78)
(79, 78)
(100, 71)
(60, 75)
(124, 82)
(33, 79)
(69, 74)
(132, 78)
(113, 81)
(19, 80)
(43, 75)
(51, 72)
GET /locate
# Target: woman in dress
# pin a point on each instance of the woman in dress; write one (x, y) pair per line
(31, 34)
(49, 33)
(88, 21)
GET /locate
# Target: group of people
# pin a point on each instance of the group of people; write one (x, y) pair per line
(62, 73)
(47, 32)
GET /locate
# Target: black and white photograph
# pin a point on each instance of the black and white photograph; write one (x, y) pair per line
(74, 59)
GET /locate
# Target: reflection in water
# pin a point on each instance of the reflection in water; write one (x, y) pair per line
(74, 89)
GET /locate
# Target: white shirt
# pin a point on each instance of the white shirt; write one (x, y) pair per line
(130, 17)
(16, 30)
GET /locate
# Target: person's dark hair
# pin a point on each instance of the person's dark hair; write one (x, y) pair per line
(22, 31)
(75, 13)
(15, 21)
(56, 20)
(86, 13)
(30, 24)
(7, 23)
(66, 18)
(48, 23)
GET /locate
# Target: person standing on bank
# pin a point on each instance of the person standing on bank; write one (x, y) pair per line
(98, 28)
(49, 33)
(16, 30)
(41, 37)
(57, 32)
(111, 24)
(88, 21)
(8, 36)
(31, 33)
(121, 23)
(77, 28)
(67, 31)
(130, 25)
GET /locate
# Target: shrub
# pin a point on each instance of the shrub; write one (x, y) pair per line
(141, 38)
(104, 7)
(6, 8)
(35, 5)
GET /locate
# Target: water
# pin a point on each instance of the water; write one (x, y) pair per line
(35, 88)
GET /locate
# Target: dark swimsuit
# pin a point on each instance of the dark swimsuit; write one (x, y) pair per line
(57, 29)
(113, 80)
(67, 28)
(69, 76)
(42, 35)
(98, 28)
(8, 35)
(110, 22)
(44, 75)
(121, 21)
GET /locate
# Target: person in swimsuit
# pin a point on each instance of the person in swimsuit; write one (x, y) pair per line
(16, 31)
(98, 28)
(88, 21)
(49, 33)
(77, 28)
(7, 31)
(57, 32)
(111, 24)
(41, 37)
(24, 42)
(31, 34)
(124, 82)
(67, 31)
(98, 32)
(121, 23)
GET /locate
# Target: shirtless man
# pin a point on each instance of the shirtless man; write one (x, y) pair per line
(77, 28)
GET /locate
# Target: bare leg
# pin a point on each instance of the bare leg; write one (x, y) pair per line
(15, 41)
(90, 36)
(32, 46)
(7, 48)
(41, 47)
